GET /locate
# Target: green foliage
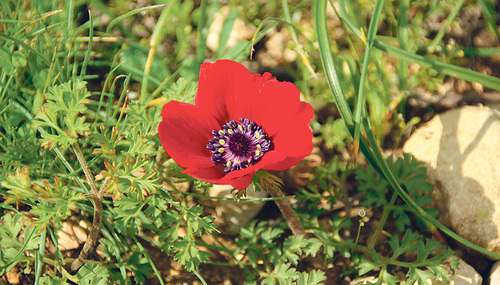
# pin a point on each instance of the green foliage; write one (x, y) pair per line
(11, 238)
(187, 254)
(93, 274)
(53, 202)
(334, 133)
(258, 241)
(412, 176)
(182, 90)
(63, 114)
(430, 261)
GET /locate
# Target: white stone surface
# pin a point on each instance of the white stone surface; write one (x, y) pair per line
(495, 274)
(71, 236)
(461, 149)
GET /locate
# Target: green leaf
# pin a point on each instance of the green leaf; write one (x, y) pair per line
(271, 233)
(408, 244)
(313, 247)
(189, 255)
(68, 98)
(365, 266)
(314, 277)
(93, 274)
(281, 274)
(18, 59)
(5, 61)
(420, 275)
(411, 174)
(62, 114)
(293, 248)
(183, 90)
(388, 278)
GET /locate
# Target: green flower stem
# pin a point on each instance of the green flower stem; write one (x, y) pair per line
(96, 197)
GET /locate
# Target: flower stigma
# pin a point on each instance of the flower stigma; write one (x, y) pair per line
(238, 145)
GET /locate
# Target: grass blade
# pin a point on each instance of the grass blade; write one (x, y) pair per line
(443, 29)
(360, 110)
(201, 46)
(156, 39)
(445, 68)
(300, 50)
(150, 261)
(131, 13)
(39, 255)
(89, 48)
(227, 27)
(332, 77)
(489, 15)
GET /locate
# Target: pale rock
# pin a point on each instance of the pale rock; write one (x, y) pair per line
(364, 280)
(233, 215)
(13, 277)
(495, 274)
(277, 51)
(461, 150)
(71, 236)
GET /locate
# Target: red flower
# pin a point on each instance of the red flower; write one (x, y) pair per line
(240, 123)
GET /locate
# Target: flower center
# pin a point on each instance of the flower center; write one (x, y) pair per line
(238, 145)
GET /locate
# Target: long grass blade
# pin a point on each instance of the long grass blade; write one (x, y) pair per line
(389, 176)
(26, 46)
(120, 18)
(360, 110)
(443, 29)
(445, 68)
(225, 32)
(150, 261)
(89, 48)
(40, 254)
(319, 10)
(489, 15)
(201, 46)
(403, 40)
(156, 39)
(293, 33)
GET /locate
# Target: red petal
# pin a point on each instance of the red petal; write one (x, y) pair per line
(219, 86)
(184, 133)
(210, 174)
(240, 182)
(239, 179)
(294, 141)
(272, 104)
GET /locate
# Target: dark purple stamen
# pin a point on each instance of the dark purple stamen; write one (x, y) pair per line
(238, 145)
